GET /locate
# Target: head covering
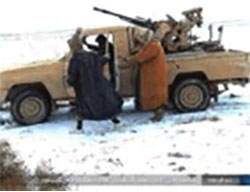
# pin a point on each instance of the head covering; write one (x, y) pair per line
(79, 31)
(148, 36)
(142, 37)
(100, 38)
(75, 43)
(162, 30)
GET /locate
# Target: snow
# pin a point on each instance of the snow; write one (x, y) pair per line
(24, 48)
(214, 141)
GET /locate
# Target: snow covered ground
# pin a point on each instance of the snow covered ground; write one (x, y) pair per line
(215, 141)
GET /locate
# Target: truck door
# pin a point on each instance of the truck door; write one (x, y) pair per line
(126, 71)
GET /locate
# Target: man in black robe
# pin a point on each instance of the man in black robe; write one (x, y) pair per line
(95, 97)
(103, 44)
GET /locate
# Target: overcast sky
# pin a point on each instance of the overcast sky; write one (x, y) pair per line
(42, 15)
(21, 16)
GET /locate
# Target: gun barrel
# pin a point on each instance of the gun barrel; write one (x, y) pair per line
(146, 24)
(122, 17)
(107, 12)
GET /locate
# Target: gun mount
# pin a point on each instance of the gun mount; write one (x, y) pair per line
(179, 38)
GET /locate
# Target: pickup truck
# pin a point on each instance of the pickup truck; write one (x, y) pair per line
(35, 89)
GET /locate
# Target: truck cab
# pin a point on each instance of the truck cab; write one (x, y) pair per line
(121, 38)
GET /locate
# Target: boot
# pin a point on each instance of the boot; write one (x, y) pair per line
(79, 125)
(2, 122)
(158, 115)
(115, 120)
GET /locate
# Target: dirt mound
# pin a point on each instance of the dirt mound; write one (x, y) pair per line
(14, 176)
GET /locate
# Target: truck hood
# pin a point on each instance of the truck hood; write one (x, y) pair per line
(49, 73)
(17, 67)
(27, 73)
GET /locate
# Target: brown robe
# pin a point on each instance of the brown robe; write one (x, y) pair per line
(153, 76)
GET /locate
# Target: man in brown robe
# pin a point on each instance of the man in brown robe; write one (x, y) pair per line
(153, 80)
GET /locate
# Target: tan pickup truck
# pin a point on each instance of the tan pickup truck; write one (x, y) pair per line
(34, 89)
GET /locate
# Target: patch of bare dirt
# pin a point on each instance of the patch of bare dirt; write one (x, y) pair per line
(14, 176)
(195, 120)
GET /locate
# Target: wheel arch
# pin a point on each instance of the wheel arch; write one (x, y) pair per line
(194, 75)
(21, 87)
(183, 76)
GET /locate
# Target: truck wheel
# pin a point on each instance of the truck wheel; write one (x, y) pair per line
(30, 107)
(191, 95)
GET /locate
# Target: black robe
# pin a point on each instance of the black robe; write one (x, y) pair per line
(96, 98)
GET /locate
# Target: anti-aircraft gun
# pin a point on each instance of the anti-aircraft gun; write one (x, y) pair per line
(178, 37)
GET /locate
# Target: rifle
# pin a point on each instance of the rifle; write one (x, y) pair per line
(145, 23)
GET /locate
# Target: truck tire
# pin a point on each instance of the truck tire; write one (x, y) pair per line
(30, 107)
(191, 95)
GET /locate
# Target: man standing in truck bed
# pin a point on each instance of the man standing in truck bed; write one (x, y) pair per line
(153, 86)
